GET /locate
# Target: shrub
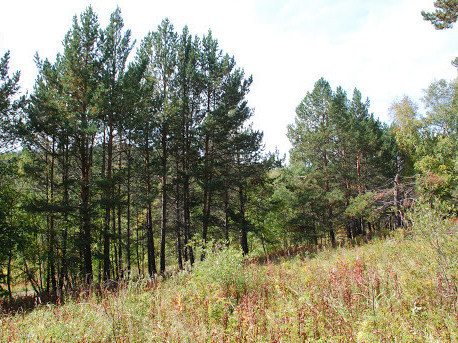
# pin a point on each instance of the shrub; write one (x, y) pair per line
(222, 268)
(433, 224)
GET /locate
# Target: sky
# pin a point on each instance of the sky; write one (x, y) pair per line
(382, 47)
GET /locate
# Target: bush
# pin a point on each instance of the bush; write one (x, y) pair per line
(433, 224)
(222, 268)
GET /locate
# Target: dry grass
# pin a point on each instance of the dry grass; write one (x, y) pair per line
(394, 290)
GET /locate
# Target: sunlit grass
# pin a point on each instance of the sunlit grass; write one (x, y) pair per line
(393, 290)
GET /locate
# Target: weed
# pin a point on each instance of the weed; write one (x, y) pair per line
(401, 289)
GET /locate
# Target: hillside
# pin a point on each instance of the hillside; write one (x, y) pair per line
(399, 289)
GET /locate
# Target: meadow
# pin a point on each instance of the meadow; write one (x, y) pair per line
(402, 288)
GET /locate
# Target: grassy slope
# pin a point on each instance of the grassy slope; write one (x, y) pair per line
(402, 289)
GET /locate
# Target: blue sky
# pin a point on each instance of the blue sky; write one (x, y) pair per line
(381, 47)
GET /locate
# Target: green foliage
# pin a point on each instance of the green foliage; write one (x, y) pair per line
(221, 268)
(433, 224)
(10, 103)
(406, 129)
(444, 16)
(17, 227)
(362, 206)
(340, 151)
(106, 141)
(429, 143)
(437, 155)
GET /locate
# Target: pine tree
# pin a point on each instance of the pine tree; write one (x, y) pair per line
(342, 153)
(81, 88)
(445, 15)
(184, 133)
(145, 130)
(115, 47)
(312, 137)
(9, 106)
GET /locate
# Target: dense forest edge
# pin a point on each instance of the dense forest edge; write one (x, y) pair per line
(137, 201)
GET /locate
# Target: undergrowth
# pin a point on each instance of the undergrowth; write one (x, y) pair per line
(401, 289)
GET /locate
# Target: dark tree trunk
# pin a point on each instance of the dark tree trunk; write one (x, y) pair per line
(178, 220)
(128, 233)
(149, 218)
(86, 220)
(164, 197)
(137, 248)
(66, 204)
(8, 275)
(52, 234)
(150, 242)
(119, 236)
(358, 171)
(85, 147)
(189, 254)
(226, 214)
(397, 196)
(206, 197)
(332, 236)
(108, 200)
(113, 242)
(244, 233)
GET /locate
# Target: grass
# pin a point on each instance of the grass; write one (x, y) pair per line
(401, 289)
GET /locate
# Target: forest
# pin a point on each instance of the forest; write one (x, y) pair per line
(111, 168)
(127, 164)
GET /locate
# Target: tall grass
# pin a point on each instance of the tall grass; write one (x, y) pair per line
(402, 289)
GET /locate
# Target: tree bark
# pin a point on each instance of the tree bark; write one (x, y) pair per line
(85, 147)
(226, 214)
(206, 197)
(244, 233)
(149, 218)
(119, 237)
(178, 220)
(66, 203)
(8, 275)
(52, 234)
(128, 233)
(108, 199)
(164, 197)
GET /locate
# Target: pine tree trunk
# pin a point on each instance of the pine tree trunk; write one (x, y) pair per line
(119, 241)
(149, 218)
(113, 242)
(206, 198)
(189, 254)
(188, 251)
(8, 275)
(332, 236)
(66, 203)
(244, 233)
(119, 237)
(358, 171)
(108, 199)
(128, 233)
(85, 196)
(397, 202)
(150, 243)
(226, 214)
(48, 219)
(178, 220)
(164, 197)
(52, 234)
(137, 247)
